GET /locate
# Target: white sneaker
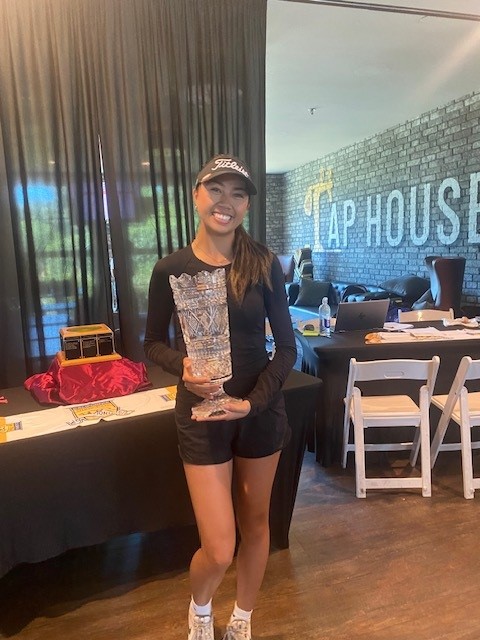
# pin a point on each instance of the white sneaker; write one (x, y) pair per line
(200, 627)
(238, 629)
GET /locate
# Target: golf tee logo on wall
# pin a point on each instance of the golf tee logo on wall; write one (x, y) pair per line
(311, 204)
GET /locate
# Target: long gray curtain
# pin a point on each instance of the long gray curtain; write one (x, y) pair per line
(107, 110)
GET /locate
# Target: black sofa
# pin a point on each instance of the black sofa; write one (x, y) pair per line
(307, 294)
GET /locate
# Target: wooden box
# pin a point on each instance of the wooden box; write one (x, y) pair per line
(92, 342)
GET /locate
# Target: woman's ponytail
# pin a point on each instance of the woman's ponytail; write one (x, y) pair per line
(251, 264)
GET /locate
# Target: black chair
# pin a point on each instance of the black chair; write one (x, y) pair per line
(446, 281)
(303, 263)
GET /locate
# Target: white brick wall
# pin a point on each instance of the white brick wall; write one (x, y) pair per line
(437, 145)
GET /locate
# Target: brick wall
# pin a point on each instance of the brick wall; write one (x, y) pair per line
(275, 212)
(374, 210)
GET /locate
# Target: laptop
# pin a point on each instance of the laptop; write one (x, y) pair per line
(369, 314)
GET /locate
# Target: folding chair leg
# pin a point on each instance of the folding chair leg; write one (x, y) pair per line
(466, 446)
(361, 485)
(346, 433)
(438, 438)
(467, 466)
(425, 455)
(415, 448)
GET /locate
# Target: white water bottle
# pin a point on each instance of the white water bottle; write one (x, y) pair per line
(324, 316)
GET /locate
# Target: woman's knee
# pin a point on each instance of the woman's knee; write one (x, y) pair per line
(219, 554)
(254, 526)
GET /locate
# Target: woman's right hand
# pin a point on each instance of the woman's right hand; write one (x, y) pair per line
(200, 386)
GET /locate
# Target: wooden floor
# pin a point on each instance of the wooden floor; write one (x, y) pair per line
(395, 566)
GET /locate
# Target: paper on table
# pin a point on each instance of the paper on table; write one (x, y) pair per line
(470, 323)
(428, 333)
(425, 331)
(397, 326)
(412, 335)
(399, 336)
(464, 334)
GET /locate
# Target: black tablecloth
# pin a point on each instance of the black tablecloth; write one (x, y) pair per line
(83, 486)
(329, 359)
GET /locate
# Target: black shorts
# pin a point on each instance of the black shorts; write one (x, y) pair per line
(217, 442)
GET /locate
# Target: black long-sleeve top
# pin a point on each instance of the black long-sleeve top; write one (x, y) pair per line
(247, 329)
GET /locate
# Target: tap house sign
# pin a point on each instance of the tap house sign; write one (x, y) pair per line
(417, 214)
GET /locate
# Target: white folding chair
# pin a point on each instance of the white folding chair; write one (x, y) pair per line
(463, 407)
(425, 314)
(388, 411)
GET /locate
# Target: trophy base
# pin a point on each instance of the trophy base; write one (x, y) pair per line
(212, 407)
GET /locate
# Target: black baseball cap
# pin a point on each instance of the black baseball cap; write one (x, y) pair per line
(223, 164)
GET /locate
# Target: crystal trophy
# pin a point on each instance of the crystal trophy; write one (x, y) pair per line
(201, 302)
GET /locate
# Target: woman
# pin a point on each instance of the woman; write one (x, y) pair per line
(251, 431)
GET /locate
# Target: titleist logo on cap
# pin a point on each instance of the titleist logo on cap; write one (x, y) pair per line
(222, 164)
(228, 163)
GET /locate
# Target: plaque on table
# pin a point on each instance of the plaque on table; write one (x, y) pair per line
(88, 343)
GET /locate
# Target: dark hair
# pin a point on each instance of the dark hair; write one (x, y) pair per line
(251, 264)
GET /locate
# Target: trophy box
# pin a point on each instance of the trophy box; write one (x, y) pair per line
(86, 344)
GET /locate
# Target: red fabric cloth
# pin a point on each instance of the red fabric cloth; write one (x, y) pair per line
(87, 382)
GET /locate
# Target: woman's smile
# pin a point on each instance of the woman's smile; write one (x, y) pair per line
(222, 218)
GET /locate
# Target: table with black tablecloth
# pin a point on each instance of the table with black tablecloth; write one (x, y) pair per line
(86, 485)
(329, 359)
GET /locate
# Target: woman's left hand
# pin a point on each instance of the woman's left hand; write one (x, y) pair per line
(232, 410)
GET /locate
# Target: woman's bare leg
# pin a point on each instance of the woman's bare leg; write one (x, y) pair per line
(253, 486)
(211, 495)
